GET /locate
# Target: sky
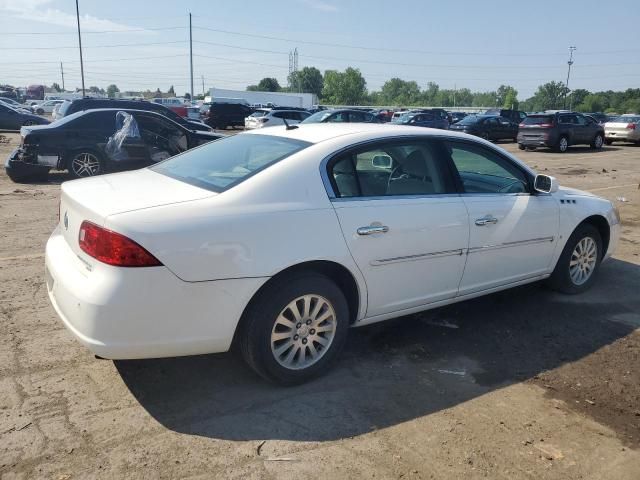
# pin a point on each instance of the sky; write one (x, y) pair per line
(141, 45)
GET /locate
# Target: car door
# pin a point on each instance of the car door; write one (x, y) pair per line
(585, 129)
(512, 231)
(506, 129)
(492, 127)
(9, 118)
(404, 224)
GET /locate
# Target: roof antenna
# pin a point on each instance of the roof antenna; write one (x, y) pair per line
(289, 127)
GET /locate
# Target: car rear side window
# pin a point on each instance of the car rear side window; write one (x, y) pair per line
(538, 120)
(224, 163)
(391, 169)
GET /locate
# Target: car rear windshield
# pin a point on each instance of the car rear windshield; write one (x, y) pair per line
(224, 163)
(537, 119)
(469, 120)
(317, 117)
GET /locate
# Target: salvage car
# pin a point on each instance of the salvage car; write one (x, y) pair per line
(422, 119)
(277, 240)
(96, 141)
(12, 119)
(341, 116)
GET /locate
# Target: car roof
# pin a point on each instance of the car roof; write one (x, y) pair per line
(320, 132)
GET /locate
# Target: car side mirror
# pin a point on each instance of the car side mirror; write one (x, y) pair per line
(382, 161)
(545, 184)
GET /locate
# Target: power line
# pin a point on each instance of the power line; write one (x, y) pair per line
(96, 46)
(97, 32)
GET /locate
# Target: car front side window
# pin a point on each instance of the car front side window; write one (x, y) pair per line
(483, 171)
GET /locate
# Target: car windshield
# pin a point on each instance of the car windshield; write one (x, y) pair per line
(317, 117)
(221, 164)
(259, 113)
(626, 119)
(469, 120)
(537, 119)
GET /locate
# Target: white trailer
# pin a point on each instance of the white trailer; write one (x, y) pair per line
(279, 99)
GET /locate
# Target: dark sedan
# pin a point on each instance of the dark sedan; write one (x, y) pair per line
(12, 119)
(422, 119)
(341, 116)
(98, 141)
(489, 127)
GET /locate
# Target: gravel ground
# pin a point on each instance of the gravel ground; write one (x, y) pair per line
(523, 384)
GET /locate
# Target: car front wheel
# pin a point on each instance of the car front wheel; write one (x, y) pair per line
(295, 328)
(579, 261)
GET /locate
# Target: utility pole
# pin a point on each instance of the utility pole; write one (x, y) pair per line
(191, 55)
(62, 73)
(570, 62)
(455, 89)
(202, 85)
(80, 45)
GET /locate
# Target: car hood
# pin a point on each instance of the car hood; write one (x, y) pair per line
(573, 192)
(128, 191)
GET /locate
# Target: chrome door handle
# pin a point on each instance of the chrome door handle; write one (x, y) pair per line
(486, 220)
(371, 229)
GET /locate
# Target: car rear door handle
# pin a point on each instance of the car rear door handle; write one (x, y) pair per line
(486, 220)
(371, 229)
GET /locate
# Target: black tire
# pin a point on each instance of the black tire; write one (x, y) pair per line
(562, 146)
(260, 317)
(597, 142)
(40, 111)
(521, 147)
(28, 123)
(485, 136)
(608, 142)
(560, 279)
(75, 174)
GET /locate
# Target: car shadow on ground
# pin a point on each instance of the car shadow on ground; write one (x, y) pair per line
(394, 371)
(576, 149)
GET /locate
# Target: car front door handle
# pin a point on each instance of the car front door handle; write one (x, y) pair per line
(486, 220)
(371, 229)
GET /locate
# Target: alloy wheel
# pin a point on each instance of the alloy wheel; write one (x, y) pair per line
(303, 332)
(85, 165)
(598, 141)
(583, 260)
(564, 144)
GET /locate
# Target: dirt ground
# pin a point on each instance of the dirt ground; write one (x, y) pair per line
(523, 384)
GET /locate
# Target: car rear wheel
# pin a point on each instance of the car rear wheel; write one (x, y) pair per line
(295, 328)
(85, 164)
(597, 142)
(563, 144)
(521, 147)
(579, 261)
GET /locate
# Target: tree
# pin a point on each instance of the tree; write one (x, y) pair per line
(187, 96)
(429, 96)
(171, 91)
(511, 100)
(400, 92)
(56, 87)
(269, 84)
(95, 89)
(577, 96)
(549, 96)
(506, 96)
(307, 80)
(112, 90)
(252, 88)
(344, 88)
(592, 103)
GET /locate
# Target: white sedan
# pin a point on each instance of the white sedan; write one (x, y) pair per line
(278, 240)
(45, 107)
(271, 118)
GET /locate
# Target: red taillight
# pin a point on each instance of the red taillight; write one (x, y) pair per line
(631, 126)
(546, 125)
(112, 248)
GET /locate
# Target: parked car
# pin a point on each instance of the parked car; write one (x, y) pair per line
(45, 107)
(223, 115)
(341, 116)
(418, 119)
(625, 128)
(67, 108)
(516, 116)
(13, 103)
(12, 119)
(174, 104)
(209, 247)
(489, 127)
(273, 118)
(559, 130)
(15, 106)
(457, 116)
(93, 142)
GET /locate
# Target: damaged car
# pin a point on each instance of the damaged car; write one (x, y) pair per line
(94, 142)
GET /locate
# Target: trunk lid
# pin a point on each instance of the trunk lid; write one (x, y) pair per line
(94, 199)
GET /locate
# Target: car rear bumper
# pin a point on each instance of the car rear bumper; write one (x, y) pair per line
(128, 313)
(629, 136)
